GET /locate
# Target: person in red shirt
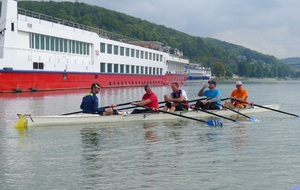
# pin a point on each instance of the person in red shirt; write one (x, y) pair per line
(149, 100)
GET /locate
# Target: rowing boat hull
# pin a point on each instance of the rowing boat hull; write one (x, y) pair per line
(78, 119)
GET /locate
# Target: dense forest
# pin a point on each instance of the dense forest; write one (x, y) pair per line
(224, 58)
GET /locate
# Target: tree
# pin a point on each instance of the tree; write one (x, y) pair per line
(243, 69)
(218, 69)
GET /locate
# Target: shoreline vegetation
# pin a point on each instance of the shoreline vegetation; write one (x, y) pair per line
(221, 79)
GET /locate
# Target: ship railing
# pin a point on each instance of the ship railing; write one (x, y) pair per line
(102, 33)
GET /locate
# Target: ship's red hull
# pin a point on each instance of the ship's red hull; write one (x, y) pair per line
(15, 81)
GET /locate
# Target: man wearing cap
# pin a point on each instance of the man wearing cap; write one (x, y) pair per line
(213, 95)
(238, 94)
(90, 102)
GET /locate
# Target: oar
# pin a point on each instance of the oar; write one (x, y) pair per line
(208, 122)
(161, 103)
(268, 108)
(237, 121)
(251, 118)
(124, 104)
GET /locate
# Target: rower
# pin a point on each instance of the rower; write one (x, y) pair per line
(177, 100)
(149, 100)
(240, 94)
(212, 94)
(90, 103)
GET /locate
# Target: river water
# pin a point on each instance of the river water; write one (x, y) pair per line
(155, 155)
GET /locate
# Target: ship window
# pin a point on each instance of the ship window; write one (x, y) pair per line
(47, 43)
(146, 55)
(161, 58)
(56, 44)
(41, 65)
(61, 45)
(137, 53)
(102, 47)
(121, 68)
(127, 69)
(137, 70)
(157, 57)
(146, 70)
(109, 48)
(127, 52)
(88, 49)
(142, 70)
(77, 47)
(132, 52)
(35, 65)
(73, 46)
(12, 26)
(31, 40)
(154, 56)
(65, 45)
(37, 41)
(154, 71)
(80, 47)
(42, 42)
(157, 71)
(150, 56)
(122, 51)
(160, 72)
(102, 67)
(96, 77)
(142, 54)
(132, 69)
(84, 48)
(150, 70)
(52, 44)
(70, 46)
(109, 68)
(116, 68)
(116, 50)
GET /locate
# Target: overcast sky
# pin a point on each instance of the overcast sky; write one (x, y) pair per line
(268, 26)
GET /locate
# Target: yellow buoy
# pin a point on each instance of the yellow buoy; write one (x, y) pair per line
(22, 123)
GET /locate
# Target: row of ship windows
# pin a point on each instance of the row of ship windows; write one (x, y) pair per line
(116, 50)
(129, 69)
(117, 68)
(49, 43)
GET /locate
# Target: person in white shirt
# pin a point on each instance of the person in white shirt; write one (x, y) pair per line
(177, 100)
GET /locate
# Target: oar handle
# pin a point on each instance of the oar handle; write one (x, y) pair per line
(267, 108)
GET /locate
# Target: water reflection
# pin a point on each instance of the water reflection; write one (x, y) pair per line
(239, 136)
(151, 149)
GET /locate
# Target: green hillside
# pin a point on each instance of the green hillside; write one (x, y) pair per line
(293, 62)
(207, 51)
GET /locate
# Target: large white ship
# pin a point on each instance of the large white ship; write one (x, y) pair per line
(196, 72)
(40, 52)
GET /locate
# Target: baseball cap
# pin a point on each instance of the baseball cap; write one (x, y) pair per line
(96, 85)
(238, 83)
(213, 82)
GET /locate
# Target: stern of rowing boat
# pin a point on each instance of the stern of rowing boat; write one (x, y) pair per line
(22, 123)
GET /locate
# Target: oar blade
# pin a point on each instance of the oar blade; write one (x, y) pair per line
(253, 119)
(214, 123)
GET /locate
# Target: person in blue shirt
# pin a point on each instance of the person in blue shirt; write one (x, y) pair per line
(90, 102)
(213, 95)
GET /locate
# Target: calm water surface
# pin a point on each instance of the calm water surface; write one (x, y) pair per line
(154, 155)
